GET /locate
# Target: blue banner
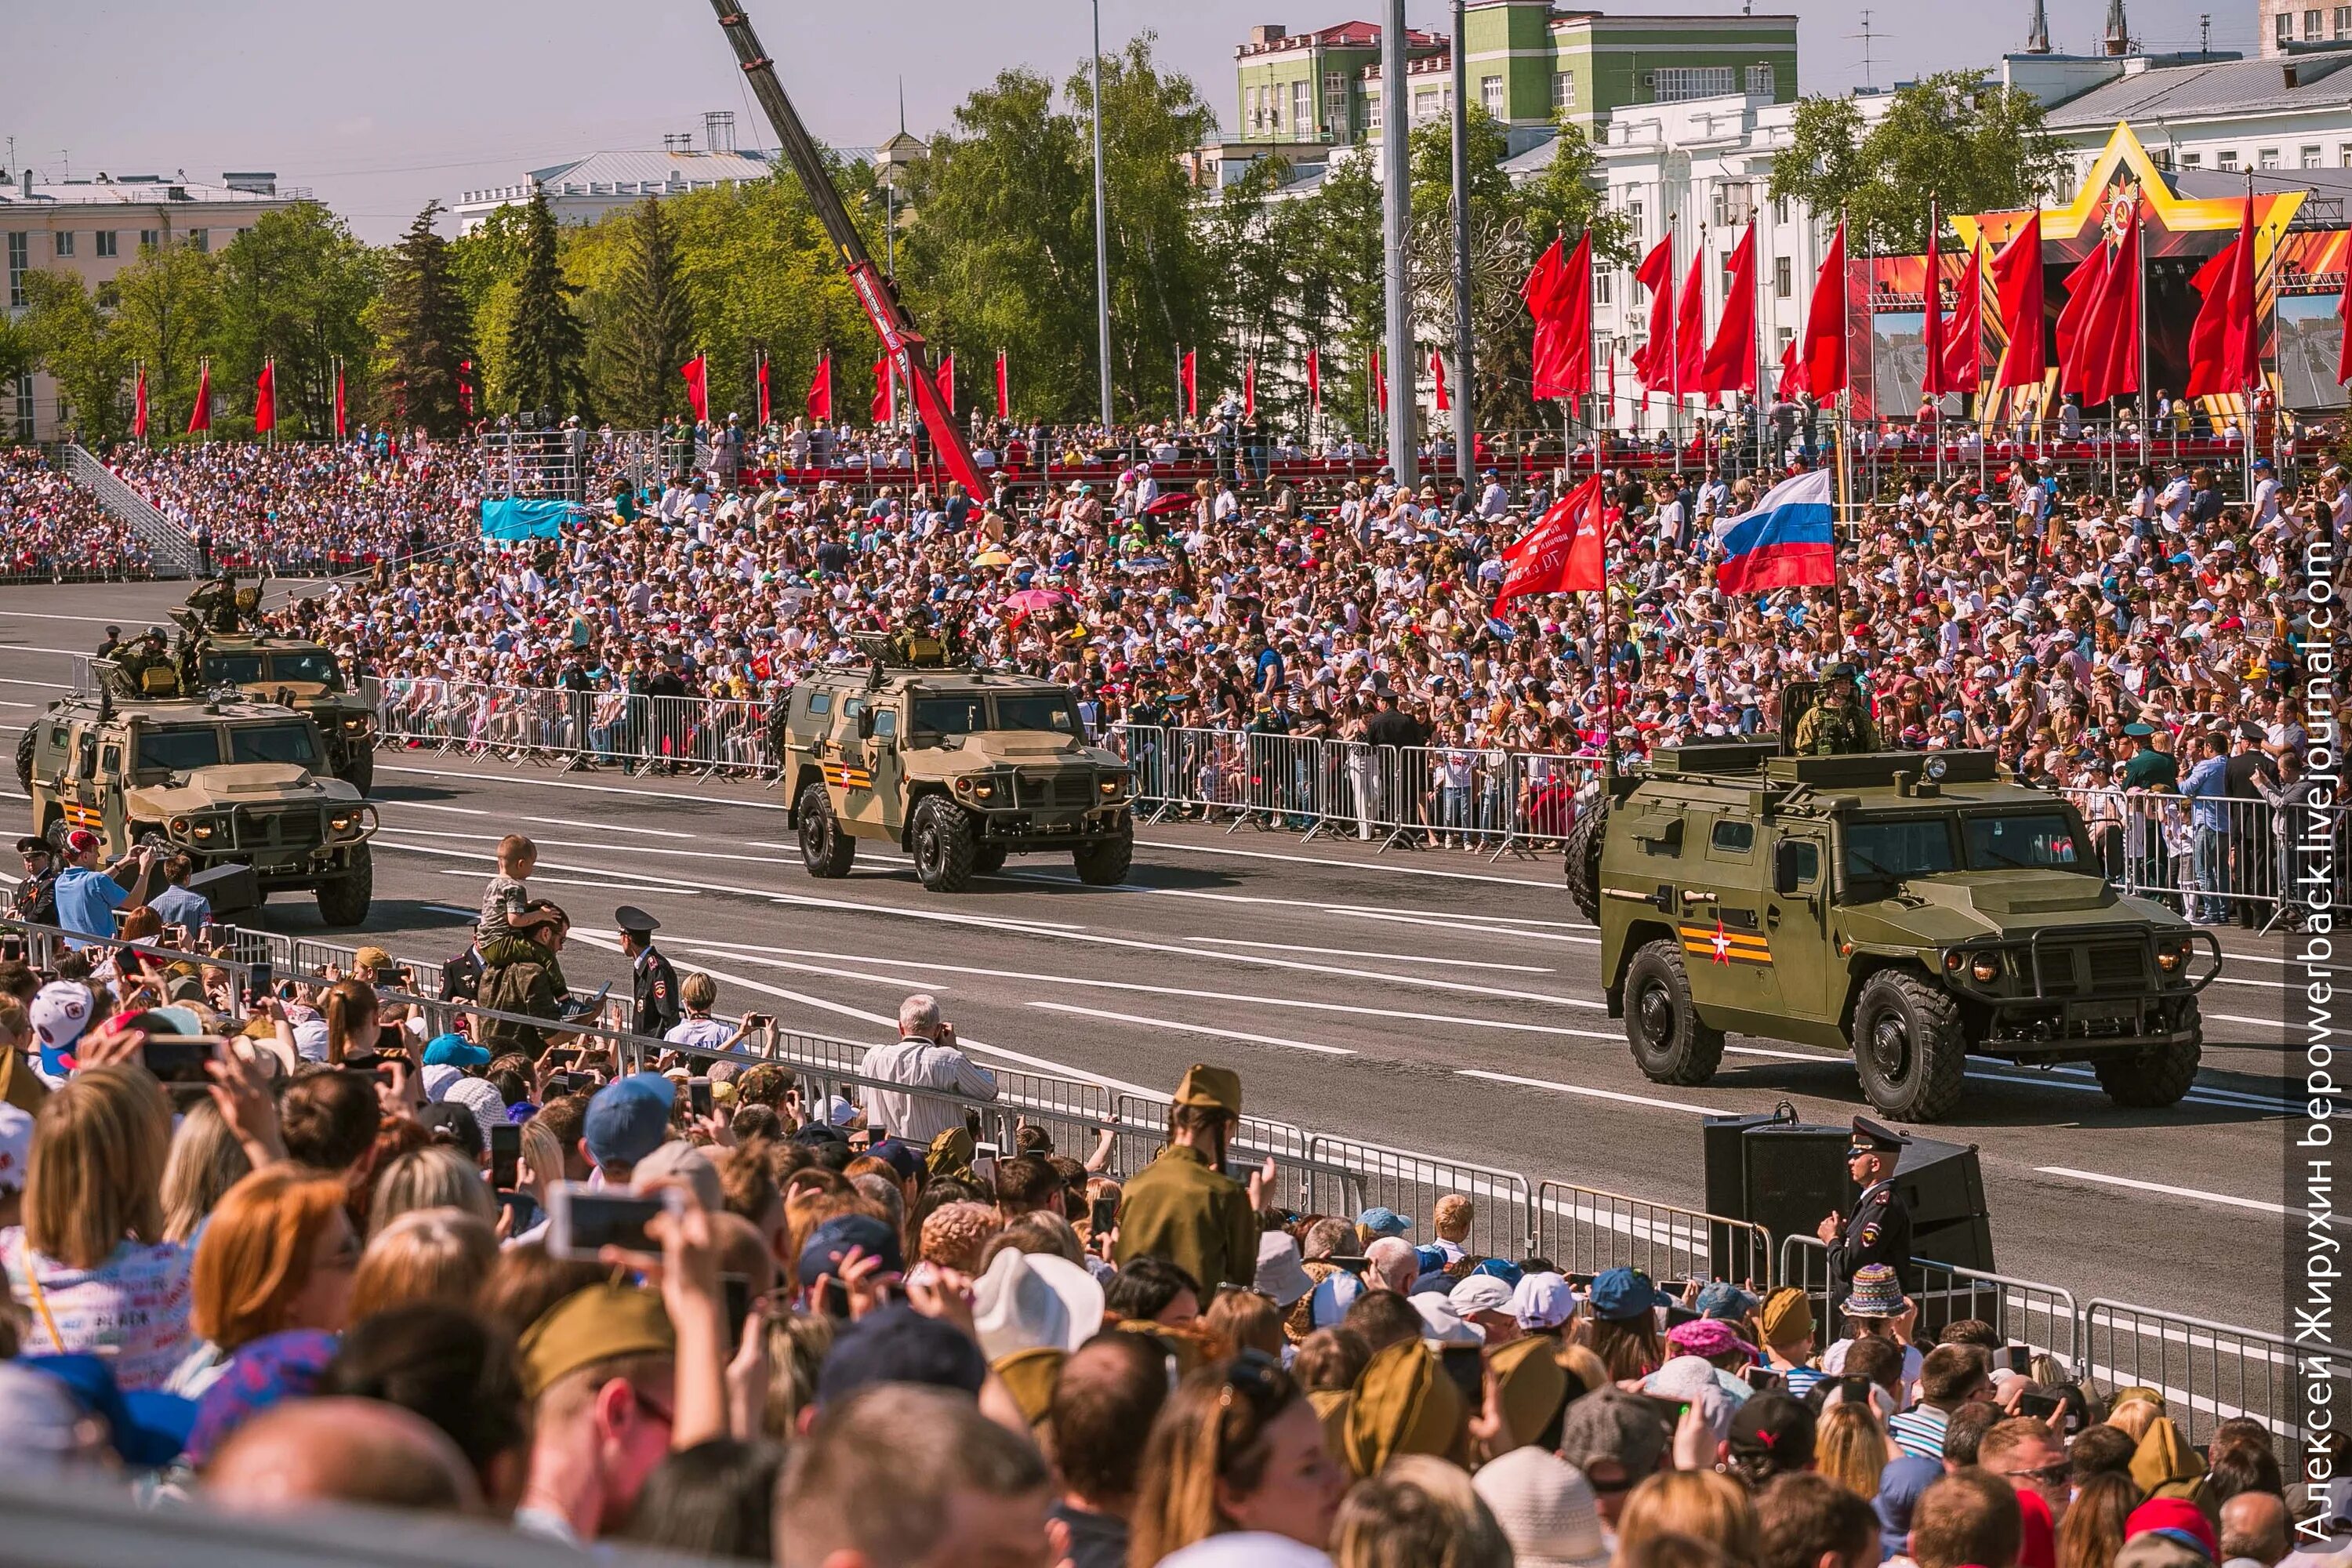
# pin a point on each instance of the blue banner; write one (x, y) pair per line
(513, 519)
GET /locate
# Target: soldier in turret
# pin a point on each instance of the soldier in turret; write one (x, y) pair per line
(1838, 724)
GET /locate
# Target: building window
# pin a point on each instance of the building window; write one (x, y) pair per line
(149, 239)
(65, 239)
(2310, 157)
(1563, 90)
(1335, 103)
(202, 239)
(1425, 105)
(20, 260)
(1601, 291)
(1734, 204)
(1759, 80)
(1781, 337)
(106, 242)
(25, 406)
(2226, 158)
(1490, 95)
(2339, 22)
(1781, 210)
(2344, 155)
(1371, 112)
(2310, 26)
(1302, 108)
(2284, 30)
(2266, 159)
(2192, 160)
(1633, 221)
(1679, 84)
(1784, 278)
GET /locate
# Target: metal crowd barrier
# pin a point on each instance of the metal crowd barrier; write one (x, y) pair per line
(2218, 860)
(1588, 1230)
(696, 735)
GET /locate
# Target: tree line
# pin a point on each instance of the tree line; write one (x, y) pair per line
(993, 250)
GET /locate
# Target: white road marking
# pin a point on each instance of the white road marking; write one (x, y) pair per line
(1360, 953)
(1592, 1093)
(450, 910)
(617, 886)
(35, 647)
(2190, 1192)
(51, 615)
(1195, 1029)
(537, 783)
(550, 821)
(1348, 865)
(15, 681)
(3, 704)
(2240, 1018)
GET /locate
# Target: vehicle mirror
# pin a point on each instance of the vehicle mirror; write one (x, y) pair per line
(1787, 871)
(866, 723)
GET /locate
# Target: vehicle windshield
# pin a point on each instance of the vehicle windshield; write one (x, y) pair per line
(232, 669)
(1037, 710)
(1901, 846)
(271, 743)
(317, 665)
(951, 715)
(178, 750)
(969, 714)
(2043, 840)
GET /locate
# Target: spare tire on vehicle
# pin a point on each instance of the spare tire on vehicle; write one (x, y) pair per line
(1584, 836)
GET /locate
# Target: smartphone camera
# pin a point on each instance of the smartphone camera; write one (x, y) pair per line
(583, 1220)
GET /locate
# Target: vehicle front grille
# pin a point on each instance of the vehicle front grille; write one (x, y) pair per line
(1052, 789)
(2105, 966)
(283, 828)
(2116, 965)
(1072, 789)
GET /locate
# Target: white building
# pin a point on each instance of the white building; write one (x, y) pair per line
(584, 189)
(2291, 111)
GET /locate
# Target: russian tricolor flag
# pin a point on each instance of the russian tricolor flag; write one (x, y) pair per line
(1785, 543)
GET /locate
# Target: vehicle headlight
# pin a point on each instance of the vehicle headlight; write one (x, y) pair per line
(357, 725)
(343, 822)
(1116, 784)
(2170, 956)
(1953, 959)
(1986, 967)
(178, 826)
(1935, 767)
(202, 831)
(984, 790)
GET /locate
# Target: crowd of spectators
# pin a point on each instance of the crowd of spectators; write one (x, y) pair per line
(51, 529)
(333, 1252)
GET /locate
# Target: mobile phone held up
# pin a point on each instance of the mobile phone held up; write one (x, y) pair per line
(698, 1096)
(506, 1157)
(178, 1060)
(583, 1220)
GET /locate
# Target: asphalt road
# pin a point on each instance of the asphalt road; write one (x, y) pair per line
(1426, 1000)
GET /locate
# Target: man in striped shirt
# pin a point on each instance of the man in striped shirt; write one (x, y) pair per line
(1950, 1377)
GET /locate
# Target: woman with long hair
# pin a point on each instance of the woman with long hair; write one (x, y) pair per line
(1850, 1447)
(351, 1013)
(434, 1177)
(1703, 1504)
(278, 1254)
(90, 1265)
(206, 1161)
(1418, 1512)
(1236, 1447)
(2093, 1530)
(425, 1255)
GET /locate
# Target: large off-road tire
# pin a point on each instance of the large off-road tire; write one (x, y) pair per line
(826, 849)
(1908, 1047)
(1105, 864)
(988, 859)
(1670, 1045)
(25, 758)
(944, 844)
(1584, 836)
(344, 901)
(360, 772)
(2158, 1077)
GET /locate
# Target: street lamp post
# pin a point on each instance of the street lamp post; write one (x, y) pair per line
(1465, 414)
(1102, 230)
(1396, 192)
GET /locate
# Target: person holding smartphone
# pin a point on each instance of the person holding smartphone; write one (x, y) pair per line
(89, 896)
(924, 1056)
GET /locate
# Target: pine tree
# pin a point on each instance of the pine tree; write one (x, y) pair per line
(422, 321)
(639, 327)
(545, 347)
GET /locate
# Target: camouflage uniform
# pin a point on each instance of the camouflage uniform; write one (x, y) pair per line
(1837, 724)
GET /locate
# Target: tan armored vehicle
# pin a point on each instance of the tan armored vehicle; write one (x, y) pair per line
(225, 646)
(960, 767)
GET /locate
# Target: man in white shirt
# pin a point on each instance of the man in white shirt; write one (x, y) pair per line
(925, 1057)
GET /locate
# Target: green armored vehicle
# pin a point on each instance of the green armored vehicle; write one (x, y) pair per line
(1912, 908)
(224, 645)
(958, 766)
(223, 781)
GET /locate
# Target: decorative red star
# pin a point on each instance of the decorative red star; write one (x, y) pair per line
(1722, 944)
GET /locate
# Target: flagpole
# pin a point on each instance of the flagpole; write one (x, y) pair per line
(2140, 248)
(1932, 300)
(1842, 421)
(1674, 349)
(2253, 326)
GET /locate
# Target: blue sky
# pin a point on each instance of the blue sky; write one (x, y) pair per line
(378, 108)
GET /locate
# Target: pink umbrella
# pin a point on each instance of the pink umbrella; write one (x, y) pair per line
(1036, 599)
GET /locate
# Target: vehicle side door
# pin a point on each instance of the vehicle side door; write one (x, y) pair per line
(848, 774)
(1796, 923)
(82, 796)
(886, 765)
(113, 779)
(1726, 947)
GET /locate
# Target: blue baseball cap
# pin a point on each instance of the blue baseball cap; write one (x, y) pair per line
(1622, 1295)
(1383, 1221)
(1722, 1298)
(897, 1344)
(454, 1051)
(629, 1119)
(833, 1241)
(1502, 1268)
(146, 1429)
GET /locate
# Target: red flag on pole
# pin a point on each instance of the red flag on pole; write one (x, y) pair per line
(1653, 361)
(1792, 383)
(342, 406)
(1003, 388)
(1572, 332)
(1380, 380)
(139, 407)
(1964, 333)
(2090, 275)
(1561, 554)
(201, 417)
(1249, 389)
(2101, 359)
(947, 380)
(1690, 324)
(1437, 373)
(766, 407)
(466, 386)
(820, 392)
(884, 408)
(1185, 373)
(696, 372)
(1822, 352)
(265, 398)
(1730, 362)
(1314, 380)
(2344, 325)
(2224, 351)
(1931, 312)
(2018, 294)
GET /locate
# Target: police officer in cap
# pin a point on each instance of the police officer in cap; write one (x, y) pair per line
(654, 981)
(1879, 1229)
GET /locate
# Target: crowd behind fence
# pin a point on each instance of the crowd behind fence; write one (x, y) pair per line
(1485, 799)
(2208, 1371)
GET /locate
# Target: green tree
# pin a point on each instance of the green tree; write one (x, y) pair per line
(545, 348)
(75, 342)
(296, 287)
(422, 325)
(17, 357)
(166, 307)
(639, 323)
(1966, 142)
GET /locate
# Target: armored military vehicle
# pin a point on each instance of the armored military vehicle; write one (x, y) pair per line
(958, 766)
(1911, 908)
(223, 781)
(224, 645)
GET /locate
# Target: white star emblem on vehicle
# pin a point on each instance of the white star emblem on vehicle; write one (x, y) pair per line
(1722, 944)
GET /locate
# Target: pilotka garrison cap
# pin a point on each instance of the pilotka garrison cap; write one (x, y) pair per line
(1219, 1089)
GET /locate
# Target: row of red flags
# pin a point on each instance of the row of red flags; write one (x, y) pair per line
(265, 401)
(818, 402)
